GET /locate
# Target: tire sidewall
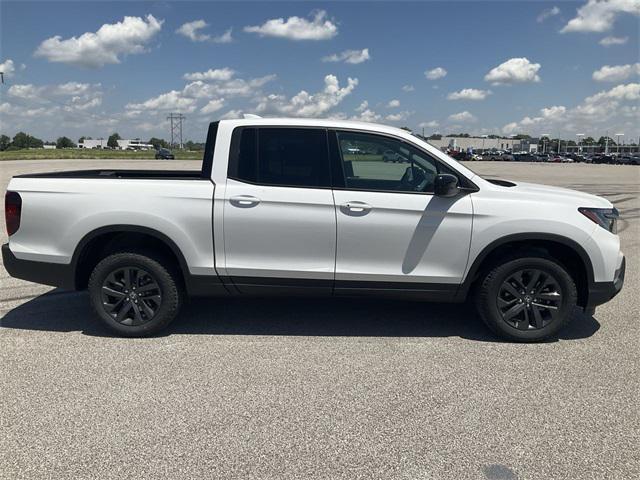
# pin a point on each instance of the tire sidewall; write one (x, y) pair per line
(168, 291)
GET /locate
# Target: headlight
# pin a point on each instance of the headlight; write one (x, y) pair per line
(607, 218)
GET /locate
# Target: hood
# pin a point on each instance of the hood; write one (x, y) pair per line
(547, 192)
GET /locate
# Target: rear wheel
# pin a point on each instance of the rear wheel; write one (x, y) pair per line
(527, 299)
(134, 294)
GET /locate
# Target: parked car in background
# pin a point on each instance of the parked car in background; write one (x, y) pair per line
(630, 160)
(164, 154)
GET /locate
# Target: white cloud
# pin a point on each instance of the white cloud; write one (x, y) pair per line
(7, 68)
(305, 104)
(430, 124)
(398, 117)
(93, 50)
(469, 94)
(349, 56)
(297, 28)
(231, 114)
(211, 75)
(70, 96)
(435, 73)
(616, 73)
(363, 106)
(600, 15)
(605, 109)
(462, 117)
(514, 70)
(408, 88)
(365, 114)
(630, 91)
(173, 100)
(226, 37)
(610, 41)
(213, 106)
(549, 12)
(191, 30)
(235, 87)
(393, 103)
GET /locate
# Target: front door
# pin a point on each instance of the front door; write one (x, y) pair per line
(393, 234)
(279, 217)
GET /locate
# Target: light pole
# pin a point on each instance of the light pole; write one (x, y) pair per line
(483, 138)
(579, 135)
(618, 135)
(545, 137)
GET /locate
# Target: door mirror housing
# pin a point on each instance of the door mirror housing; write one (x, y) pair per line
(446, 185)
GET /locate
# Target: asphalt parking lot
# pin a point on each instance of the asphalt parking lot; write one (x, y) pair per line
(331, 389)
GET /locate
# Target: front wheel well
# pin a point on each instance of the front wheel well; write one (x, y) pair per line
(568, 257)
(104, 244)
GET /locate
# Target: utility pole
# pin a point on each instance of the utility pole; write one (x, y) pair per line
(618, 135)
(176, 128)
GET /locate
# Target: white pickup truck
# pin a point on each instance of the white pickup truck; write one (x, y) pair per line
(305, 207)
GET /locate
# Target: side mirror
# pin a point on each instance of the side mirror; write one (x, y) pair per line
(445, 185)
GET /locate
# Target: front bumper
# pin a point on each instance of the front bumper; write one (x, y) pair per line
(602, 292)
(54, 274)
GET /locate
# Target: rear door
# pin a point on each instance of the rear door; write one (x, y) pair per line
(279, 216)
(393, 233)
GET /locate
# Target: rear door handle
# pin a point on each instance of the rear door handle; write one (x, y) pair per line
(244, 201)
(355, 209)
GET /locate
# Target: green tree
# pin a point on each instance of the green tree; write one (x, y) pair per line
(22, 140)
(603, 141)
(588, 141)
(158, 143)
(4, 142)
(65, 142)
(407, 129)
(112, 142)
(189, 145)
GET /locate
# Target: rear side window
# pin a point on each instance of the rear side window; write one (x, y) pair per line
(295, 157)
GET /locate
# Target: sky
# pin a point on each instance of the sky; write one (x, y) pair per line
(502, 67)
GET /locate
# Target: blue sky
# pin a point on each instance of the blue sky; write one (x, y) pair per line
(83, 68)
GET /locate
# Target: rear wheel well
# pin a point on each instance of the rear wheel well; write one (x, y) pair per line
(105, 244)
(565, 255)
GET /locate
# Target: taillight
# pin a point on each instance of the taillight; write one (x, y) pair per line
(12, 210)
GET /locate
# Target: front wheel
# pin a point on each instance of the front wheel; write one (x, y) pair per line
(134, 294)
(527, 299)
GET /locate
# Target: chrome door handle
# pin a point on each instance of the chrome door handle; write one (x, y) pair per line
(244, 201)
(355, 209)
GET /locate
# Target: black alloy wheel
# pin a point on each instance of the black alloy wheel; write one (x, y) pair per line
(131, 296)
(529, 299)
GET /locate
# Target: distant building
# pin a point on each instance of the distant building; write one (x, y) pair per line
(49, 147)
(529, 145)
(135, 144)
(473, 143)
(91, 143)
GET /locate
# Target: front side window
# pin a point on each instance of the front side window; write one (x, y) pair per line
(376, 162)
(295, 157)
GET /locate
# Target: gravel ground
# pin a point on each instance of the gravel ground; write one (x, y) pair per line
(332, 389)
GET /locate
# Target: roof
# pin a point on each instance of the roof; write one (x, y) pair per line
(319, 122)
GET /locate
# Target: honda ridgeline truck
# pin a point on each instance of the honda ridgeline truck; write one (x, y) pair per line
(310, 207)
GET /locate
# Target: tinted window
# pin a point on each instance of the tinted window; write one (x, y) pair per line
(282, 156)
(375, 162)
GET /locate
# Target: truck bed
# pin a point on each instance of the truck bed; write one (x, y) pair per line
(122, 174)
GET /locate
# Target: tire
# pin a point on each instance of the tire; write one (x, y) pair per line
(537, 317)
(152, 295)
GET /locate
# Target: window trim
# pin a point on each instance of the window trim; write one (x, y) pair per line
(469, 186)
(234, 157)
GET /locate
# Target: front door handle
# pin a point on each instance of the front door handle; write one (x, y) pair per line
(355, 209)
(244, 201)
